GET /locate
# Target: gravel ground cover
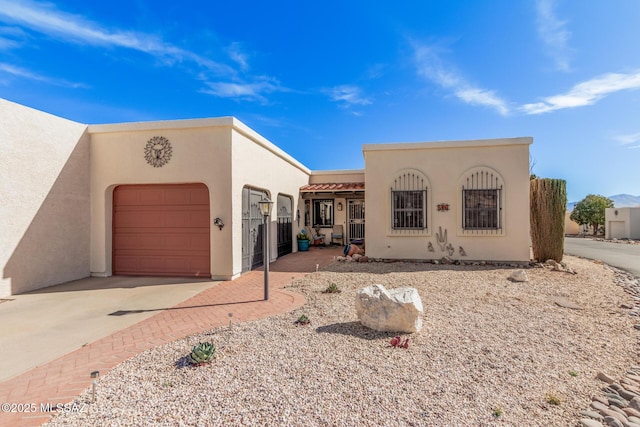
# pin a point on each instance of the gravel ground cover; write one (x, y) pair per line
(491, 352)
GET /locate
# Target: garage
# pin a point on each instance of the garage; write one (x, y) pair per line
(161, 230)
(617, 230)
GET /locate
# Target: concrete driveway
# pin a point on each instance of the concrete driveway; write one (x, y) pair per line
(80, 312)
(622, 255)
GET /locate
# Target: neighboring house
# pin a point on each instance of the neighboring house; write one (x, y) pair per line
(622, 223)
(570, 226)
(179, 198)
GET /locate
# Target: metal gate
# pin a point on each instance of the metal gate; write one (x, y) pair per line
(252, 229)
(285, 230)
(355, 219)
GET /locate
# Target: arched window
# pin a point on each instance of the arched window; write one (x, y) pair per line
(409, 202)
(482, 200)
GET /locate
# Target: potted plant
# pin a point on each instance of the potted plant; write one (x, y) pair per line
(303, 241)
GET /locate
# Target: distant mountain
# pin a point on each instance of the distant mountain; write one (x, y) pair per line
(619, 201)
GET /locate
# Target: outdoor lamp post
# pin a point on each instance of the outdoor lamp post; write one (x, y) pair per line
(265, 208)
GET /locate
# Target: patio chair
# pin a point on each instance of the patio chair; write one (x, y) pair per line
(316, 239)
(337, 234)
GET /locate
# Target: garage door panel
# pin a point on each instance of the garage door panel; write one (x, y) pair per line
(150, 197)
(125, 198)
(138, 219)
(177, 197)
(199, 196)
(199, 219)
(161, 230)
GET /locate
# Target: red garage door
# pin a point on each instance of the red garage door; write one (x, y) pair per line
(161, 230)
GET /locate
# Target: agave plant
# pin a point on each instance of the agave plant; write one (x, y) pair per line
(202, 353)
(332, 289)
(303, 320)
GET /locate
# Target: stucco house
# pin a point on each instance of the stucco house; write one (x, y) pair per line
(179, 198)
(622, 223)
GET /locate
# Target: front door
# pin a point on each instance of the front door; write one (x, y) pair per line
(252, 229)
(285, 230)
(355, 219)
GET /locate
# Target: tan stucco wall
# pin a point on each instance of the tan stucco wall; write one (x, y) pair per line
(570, 227)
(44, 199)
(444, 164)
(259, 164)
(319, 177)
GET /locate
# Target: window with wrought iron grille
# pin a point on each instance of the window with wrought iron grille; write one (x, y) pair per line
(323, 213)
(409, 202)
(481, 209)
(482, 202)
(408, 209)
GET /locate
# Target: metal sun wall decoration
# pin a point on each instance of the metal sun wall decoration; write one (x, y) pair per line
(158, 151)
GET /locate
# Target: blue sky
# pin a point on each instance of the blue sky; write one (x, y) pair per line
(319, 79)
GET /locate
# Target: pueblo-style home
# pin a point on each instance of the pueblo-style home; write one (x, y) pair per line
(180, 198)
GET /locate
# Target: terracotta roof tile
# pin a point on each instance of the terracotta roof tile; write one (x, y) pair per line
(334, 186)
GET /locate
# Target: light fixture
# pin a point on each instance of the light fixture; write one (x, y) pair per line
(218, 223)
(265, 209)
(339, 206)
(265, 206)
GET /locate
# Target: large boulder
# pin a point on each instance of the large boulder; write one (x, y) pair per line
(393, 310)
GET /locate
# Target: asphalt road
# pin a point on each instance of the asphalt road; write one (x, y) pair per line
(622, 255)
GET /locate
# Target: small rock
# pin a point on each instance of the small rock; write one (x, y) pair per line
(586, 422)
(628, 395)
(363, 258)
(446, 260)
(631, 412)
(519, 276)
(563, 302)
(612, 422)
(619, 402)
(635, 403)
(627, 306)
(592, 414)
(599, 406)
(610, 413)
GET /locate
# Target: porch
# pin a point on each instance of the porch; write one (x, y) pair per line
(334, 212)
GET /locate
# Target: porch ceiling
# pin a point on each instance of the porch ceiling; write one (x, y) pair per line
(333, 187)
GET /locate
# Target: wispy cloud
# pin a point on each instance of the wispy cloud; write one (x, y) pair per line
(347, 95)
(430, 66)
(21, 72)
(237, 55)
(11, 37)
(629, 140)
(553, 33)
(586, 93)
(253, 91)
(47, 19)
